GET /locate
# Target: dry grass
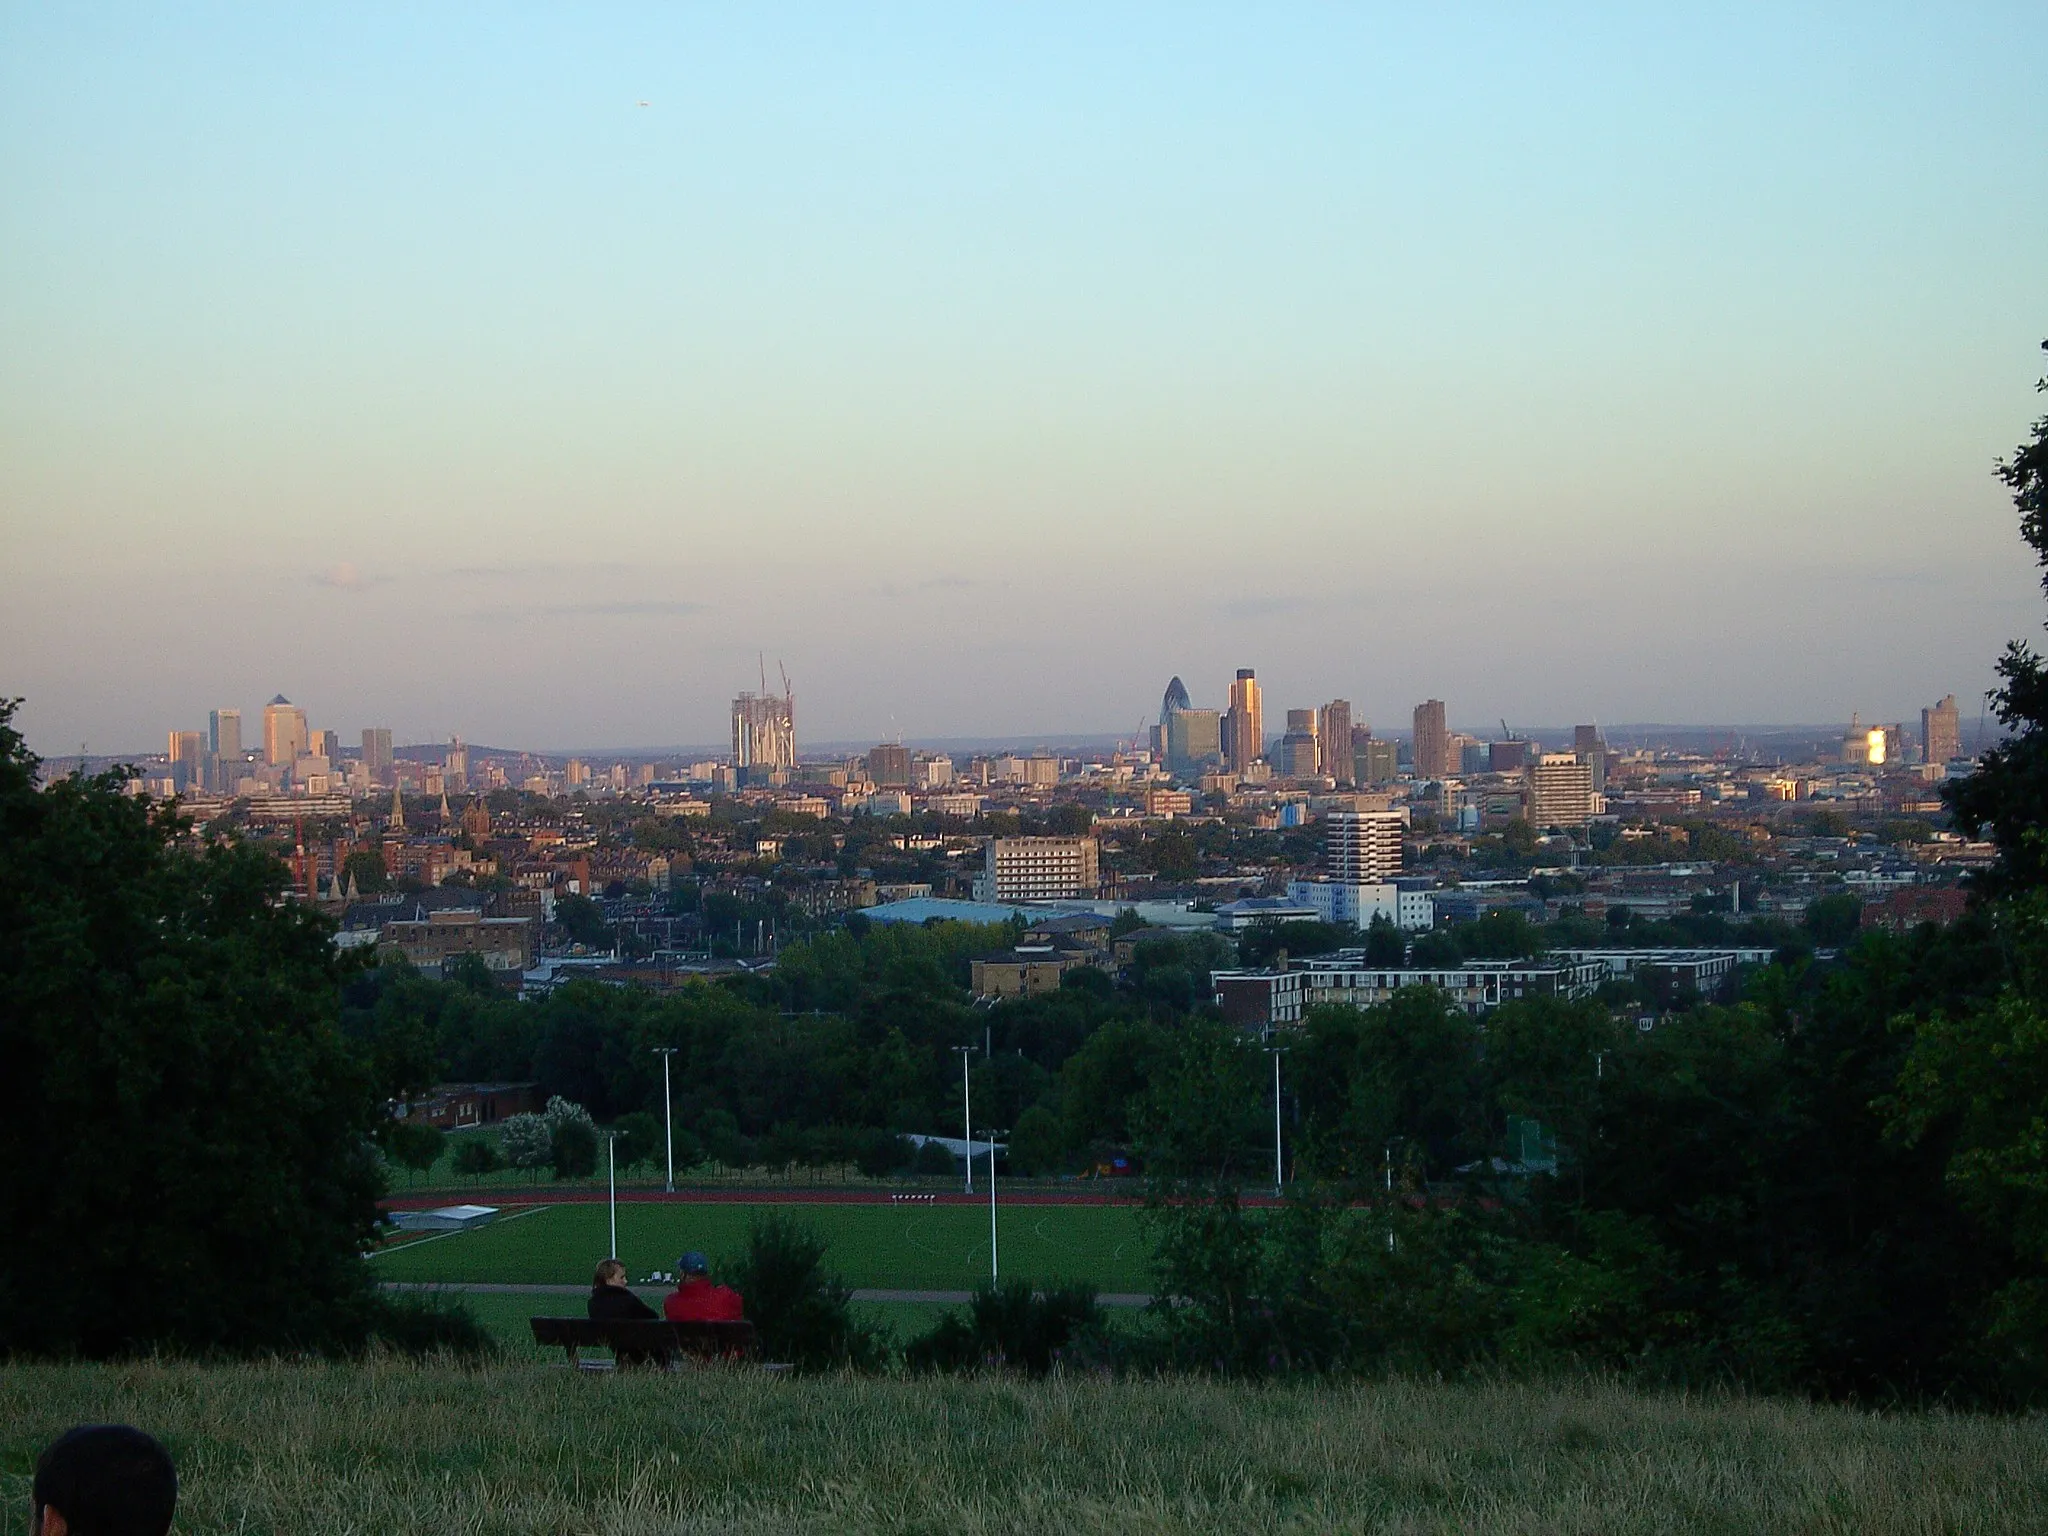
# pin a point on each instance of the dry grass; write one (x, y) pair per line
(530, 1449)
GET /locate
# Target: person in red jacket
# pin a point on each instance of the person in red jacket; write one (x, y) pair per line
(696, 1300)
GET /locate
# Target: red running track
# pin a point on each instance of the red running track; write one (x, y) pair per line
(544, 1195)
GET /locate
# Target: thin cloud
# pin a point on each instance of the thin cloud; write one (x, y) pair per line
(347, 577)
(653, 608)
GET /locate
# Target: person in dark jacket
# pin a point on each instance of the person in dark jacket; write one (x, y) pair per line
(611, 1301)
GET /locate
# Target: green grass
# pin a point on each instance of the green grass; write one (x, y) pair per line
(527, 1450)
(910, 1247)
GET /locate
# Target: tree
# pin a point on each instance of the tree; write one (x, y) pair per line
(1385, 944)
(174, 1088)
(414, 1145)
(640, 1140)
(583, 920)
(527, 1140)
(572, 1139)
(2007, 795)
(476, 1157)
(1834, 920)
(803, 1313)
(366, 868)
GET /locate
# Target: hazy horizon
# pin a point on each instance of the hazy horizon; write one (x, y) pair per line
(526, 375)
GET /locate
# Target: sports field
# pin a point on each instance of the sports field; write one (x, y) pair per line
(898, 1247)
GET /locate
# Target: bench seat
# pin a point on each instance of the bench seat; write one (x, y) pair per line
(655, 1339)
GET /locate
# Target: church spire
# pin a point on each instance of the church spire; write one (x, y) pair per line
(397, 809)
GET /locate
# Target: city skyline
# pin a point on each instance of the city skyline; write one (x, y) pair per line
(524, 376)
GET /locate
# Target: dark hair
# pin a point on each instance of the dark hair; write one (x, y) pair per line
(108, 1480)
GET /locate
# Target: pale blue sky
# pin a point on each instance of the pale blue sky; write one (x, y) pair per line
(990, 365)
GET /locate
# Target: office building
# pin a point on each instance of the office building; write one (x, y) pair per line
(763, 736)
(889, 766)
(1557, 791)
(1941, 732)
(1362, 847)
(377, 753)
(1175, 700)
(1433, 758)
(1506, 756)
(1301, 749)
(224, 733)
(1245, 725)
(188, 760)
(1379, 762)
(1334, 743)
(1194, 742)
(285, 737)
(1039, 869)
(1590, 749)
(455, 767)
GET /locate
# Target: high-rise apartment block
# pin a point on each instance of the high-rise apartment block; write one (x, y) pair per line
(1334, 743)
(1245, 730)
(377, 753)
(1557, 791)
(889, 766)
(1941, 731)
(1433, 752)
(1362, 847)
(224, 733)
(763, 736)
(285, 737)
(1040, 869)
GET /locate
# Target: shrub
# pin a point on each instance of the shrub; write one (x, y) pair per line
(804, 1315)
(429, 1325)
(1011, 1325)
(934, 1160)
(640, 1140)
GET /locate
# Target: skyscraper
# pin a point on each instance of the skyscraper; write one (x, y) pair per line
(188, 759)
(224, 733)
(284, 732)
(1941, 731)
(763, 735)
(1588, 747)
(889, 766)
(1334, 742)
(1300, 749)
(1432, 742)
(1247, 732)
(1194, 742)
(377, 753)
(1176, 700)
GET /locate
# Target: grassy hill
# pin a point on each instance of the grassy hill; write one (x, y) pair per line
(524, 1448)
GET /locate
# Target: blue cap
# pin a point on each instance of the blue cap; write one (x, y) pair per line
(693, 1263)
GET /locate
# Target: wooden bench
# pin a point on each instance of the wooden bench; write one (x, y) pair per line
(653, 1340)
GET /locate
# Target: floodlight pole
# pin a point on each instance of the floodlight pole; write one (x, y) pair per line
(611, 1154)
(994, 1271)
(967, 1111)
(668, 1113)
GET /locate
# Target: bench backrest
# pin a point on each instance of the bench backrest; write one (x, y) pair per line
(645, 1335)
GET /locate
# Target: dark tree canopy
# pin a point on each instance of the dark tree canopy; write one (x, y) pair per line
(2007, 796)
(185, 1132)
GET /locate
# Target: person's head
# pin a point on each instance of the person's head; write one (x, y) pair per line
(692, 1265)
(609, 1272)
(103, 1480)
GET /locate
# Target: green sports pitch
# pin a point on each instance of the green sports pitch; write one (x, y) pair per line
(896, 1247)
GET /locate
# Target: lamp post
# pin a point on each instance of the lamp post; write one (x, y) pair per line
(1276, 1051)
(967, 1111)
(994, 1269)
(668, 1113)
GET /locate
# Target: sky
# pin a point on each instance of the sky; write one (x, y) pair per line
(533, 373)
